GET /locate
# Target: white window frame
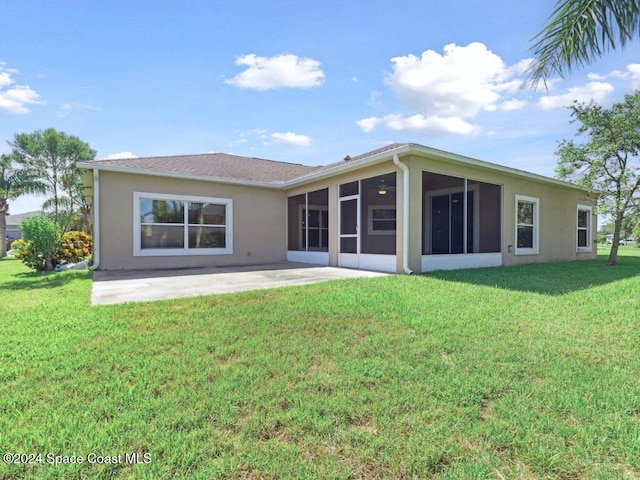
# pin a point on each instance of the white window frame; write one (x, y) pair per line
(589, 210)
(138, 251)
(535, 250)
(371, 222)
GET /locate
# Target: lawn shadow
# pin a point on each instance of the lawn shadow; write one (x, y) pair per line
(547, 278)
(42, 280)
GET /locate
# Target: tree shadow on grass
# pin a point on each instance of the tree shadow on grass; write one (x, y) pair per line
(548, 278)
(42, 280)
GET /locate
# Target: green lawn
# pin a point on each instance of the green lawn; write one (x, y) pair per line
(521, 372)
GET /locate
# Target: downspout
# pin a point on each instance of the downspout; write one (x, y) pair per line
(96, 219)
(405, 214)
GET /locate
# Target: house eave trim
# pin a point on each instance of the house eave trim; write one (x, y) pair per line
(514, 172)
(139, 171)
(421, 150)
(386, 156)
(348, 166)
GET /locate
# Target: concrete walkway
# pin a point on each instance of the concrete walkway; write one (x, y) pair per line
(111, 287)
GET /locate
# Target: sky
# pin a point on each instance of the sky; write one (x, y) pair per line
(298, 81)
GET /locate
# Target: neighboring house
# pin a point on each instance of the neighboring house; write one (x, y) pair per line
(623, 241)
(402, 208)
(13, 223)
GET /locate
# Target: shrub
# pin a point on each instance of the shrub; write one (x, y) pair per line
(20, 248)
(41, 237)
(75, 247)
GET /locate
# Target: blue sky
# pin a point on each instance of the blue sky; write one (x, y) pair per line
(298, 81)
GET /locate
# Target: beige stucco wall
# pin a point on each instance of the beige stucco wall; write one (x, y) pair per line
(558, 212)
(259, 222)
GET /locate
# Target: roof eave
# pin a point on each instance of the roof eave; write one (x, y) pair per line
(387, 155)
(514, 172)
(183, 176)
(347, 166)
(413, 148)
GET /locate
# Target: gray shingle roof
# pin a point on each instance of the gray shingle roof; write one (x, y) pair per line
(237, 169)
(349, 159)
(14, 220)
(215, 165)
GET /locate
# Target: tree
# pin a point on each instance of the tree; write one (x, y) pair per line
(52, 155)
(41, 239)
(14, 182)
(607, 162)
(630, 228)
(579, 31)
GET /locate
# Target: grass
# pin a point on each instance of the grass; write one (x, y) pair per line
(521, 372)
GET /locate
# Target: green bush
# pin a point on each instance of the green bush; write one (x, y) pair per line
(75, 247)
(40, 242)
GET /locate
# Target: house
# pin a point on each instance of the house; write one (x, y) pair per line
(623, 241)
(402, 208)
(13, 224)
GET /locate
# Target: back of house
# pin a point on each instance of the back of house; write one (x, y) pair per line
(403, 208)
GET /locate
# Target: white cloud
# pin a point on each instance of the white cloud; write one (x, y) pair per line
(521, 67)
(375, 99)
(285, 70)
(66, 108)
(429, 125)
(17, 98)
(513, 104)
(248, 135)
(631, 72)
(634, 71)
(116, 156)
(445, 91)
(368, 124)
(260, 132)
(596, 91)
(461, 83)
(5, 77)
(235, 143)
(596, 77)
(291, 138)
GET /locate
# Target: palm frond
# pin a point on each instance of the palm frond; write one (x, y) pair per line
(579, 31)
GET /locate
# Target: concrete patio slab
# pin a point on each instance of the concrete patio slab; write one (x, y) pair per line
(110, 287)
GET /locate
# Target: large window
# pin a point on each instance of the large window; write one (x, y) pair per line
(583, 234)
(527, 225)
(181, 225)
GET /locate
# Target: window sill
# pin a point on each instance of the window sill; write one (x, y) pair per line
(156, 252)
(527, 251)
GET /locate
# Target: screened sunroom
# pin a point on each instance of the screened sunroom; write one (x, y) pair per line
(461, 220)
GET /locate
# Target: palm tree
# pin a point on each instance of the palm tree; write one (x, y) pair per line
(14, 182)
(53, 155)
(579, 31)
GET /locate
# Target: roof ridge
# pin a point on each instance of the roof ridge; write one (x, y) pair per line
(202, 155)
